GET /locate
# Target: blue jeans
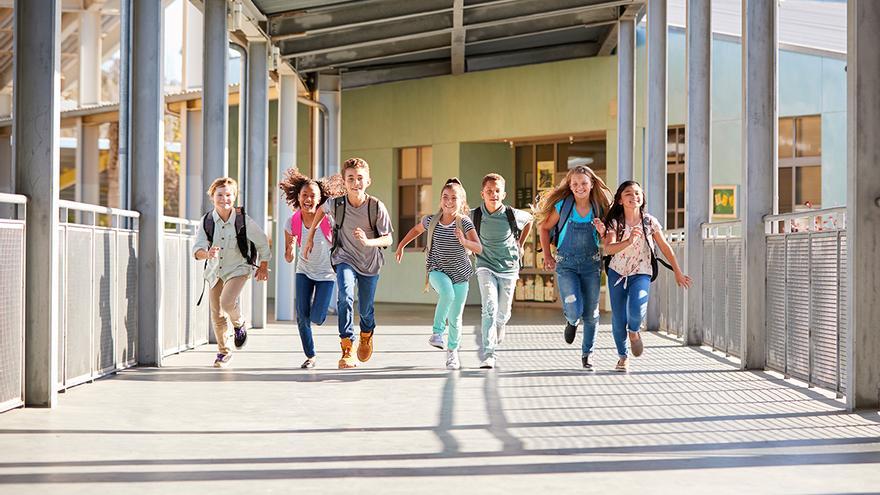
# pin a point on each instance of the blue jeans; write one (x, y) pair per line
(450, 306)
(346, 277)
(629, 305)
(579, 288)
(312, 302)
(496, 294)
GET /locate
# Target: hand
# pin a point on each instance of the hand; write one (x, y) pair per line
(262, 273)
(682, 280)
(307, 248)
(460, 236)
(600, 227)
(213, 252)
(636, 235)
(549, 263)
(288, 255)
(399, 253)
(360, 235)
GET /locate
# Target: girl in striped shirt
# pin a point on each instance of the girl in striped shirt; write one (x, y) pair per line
(451, 239)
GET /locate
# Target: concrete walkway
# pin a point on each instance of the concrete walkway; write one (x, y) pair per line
(682, 421)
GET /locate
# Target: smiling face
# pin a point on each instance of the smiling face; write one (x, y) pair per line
(224, 198)
(451, 200)
(632, 197)
(581, 185)
(493, 194)
(309, 196)
(357, 180)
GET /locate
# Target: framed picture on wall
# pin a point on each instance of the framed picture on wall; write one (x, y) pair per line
(545, 175)
(724, 201)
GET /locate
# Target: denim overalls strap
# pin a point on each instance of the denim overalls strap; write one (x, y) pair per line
(580, 241)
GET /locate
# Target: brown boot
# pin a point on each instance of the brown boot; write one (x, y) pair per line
(346, 361)
(365, 347)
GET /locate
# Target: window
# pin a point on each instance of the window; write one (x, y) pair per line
(414, 189)
(800, 163)
(675, 168)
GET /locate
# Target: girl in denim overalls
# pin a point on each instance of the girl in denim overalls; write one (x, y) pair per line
(571, 216)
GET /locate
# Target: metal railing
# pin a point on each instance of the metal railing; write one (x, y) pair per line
(12, 284)
(722, 289)
(671, 297)
(806, 296)
(98, 291)
(185, 324)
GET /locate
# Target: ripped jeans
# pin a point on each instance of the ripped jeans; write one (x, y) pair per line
(578, 279)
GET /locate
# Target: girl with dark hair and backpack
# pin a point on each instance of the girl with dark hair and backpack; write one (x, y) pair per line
(315, 277)
(231, 243)
(451, 237)
(630, 239)
(569, 216)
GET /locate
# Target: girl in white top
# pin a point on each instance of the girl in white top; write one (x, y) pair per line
(630, 237)
(315, 277)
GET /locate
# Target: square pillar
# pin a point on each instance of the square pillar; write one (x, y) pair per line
(37, 167)
(758, 188)
(257, 151)
(284, 272)
(626, 90)
(215, 112)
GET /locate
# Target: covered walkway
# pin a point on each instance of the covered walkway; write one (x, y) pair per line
(683, 418)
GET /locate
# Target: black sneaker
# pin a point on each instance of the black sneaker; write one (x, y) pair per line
(570, 331)
(240, 336)
(585, 360)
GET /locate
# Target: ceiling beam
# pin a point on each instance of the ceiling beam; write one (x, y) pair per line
(609, 43)
(362, 44)
(375, 53)
(347, 16)
(531, 56)
(355, 79)
(549, 13)
(405, 57)
(458, 35)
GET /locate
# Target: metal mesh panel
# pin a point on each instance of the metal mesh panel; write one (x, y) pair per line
(679, 293)
(62, 294)
(11, 314)
(78, 304)
(825, 313)
(719, 295)
(105, 258)
(171, 295)
(776, 303)
(842, 308)
(734, 296)
(201, 325)
(706, 290)
(126, 341)
(798, 304)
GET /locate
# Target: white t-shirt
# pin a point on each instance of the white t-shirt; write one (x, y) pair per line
(317, 267)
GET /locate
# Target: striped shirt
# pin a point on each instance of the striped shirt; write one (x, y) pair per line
(447, 254)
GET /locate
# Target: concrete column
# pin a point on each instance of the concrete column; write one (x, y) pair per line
(195, 188)
(147, 174)
(655, 147)
(257, 143)
(626, 90)
(90, 176)
(863, 206)
(7, 171)
(699, 139)
(330, 94)
(5, 105)
(215, 113)
(284, 272)
(37, 165)
(758, 170)
(89, 58)
(193, 46)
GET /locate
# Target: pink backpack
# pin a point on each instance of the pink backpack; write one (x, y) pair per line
(296, 222)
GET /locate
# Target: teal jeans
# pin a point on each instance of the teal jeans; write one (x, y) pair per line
(450, 306)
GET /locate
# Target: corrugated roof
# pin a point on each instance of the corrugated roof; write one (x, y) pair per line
(811, 24)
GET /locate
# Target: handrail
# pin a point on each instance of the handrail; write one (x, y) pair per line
(721, 230)
(806, 221)
(103, 210)
(181, 221)
(675, 235)
(15, 199)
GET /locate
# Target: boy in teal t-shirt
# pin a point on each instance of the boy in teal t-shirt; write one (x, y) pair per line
(498, 264)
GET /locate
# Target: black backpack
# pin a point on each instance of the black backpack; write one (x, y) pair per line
(339, 205)
(477, 216)
(564, 215)
(246, 247)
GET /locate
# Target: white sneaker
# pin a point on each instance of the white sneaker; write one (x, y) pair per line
(437, 341)
(452, 360)
(488, 363)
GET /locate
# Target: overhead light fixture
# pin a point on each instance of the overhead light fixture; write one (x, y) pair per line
(237, 13)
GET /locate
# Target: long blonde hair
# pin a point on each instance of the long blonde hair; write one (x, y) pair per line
(600, 195)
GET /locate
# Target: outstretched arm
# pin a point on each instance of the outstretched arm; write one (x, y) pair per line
(412, 234)
(680, 278)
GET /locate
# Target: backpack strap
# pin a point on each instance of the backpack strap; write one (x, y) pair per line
(373, 213)
(477, 216)
(654, 258)
(247, 248)
(339, 204)
(564, 215)
(511, 221)
(432, 225)
(208, 229)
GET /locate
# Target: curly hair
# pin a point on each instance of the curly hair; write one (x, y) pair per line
(294, 181)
